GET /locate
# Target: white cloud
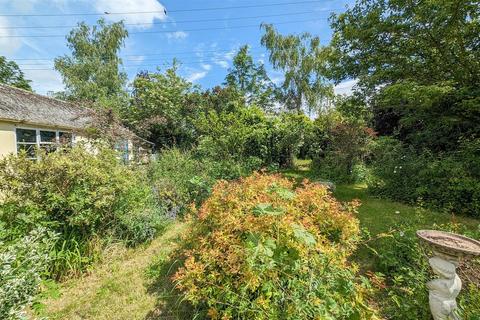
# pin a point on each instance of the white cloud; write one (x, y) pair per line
(194, 76)
(345, 87)
(178, 35)
(155, 9)
(206, 67)
(135, 60)
(223, 60)
(222, 63)
(277, 80)
(8, 46)
(44, 81)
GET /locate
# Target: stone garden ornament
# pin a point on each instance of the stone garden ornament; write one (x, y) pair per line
(448, 250)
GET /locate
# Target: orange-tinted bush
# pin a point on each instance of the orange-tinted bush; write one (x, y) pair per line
(258, 249)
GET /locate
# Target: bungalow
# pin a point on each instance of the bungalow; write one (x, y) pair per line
(29, 121)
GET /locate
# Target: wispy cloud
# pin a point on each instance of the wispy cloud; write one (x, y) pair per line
(136, 60)
(8, 46)
(156, 10)
(345, 87)
(178, 35)
(206, 67)
(222, 63)
(223, 60)
(194, 76)
(44, 81)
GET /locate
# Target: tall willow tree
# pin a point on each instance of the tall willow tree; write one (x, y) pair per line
(92, 71)
(304, 63)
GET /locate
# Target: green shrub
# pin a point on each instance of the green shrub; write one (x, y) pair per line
(342, 148)
(258, 249)
(469, 302)
(181, 178)
(22, 265)
(404, 268)
(81, 195)
(250, 133)
(450, 181)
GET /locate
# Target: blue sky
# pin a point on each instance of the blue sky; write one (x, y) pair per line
(203, 35)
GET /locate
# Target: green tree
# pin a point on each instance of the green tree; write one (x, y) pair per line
(161, 108)
(12, 75)
(251, 80)
(304, 62)
(382, 41)
(418, 66)
(221, 99)
(92, 72)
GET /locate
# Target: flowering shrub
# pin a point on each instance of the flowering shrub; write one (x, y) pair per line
(258, 249)
(21, 265)
(81, 196)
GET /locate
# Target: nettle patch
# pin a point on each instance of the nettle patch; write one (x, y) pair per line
(260, 249)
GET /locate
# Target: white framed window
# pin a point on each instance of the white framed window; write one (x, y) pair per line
(30, 140)
(27, 141)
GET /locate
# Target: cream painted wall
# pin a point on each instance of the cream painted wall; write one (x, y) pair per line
(7, 139)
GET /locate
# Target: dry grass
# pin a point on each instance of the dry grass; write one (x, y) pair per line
(116, 289)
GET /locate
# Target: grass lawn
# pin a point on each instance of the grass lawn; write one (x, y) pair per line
(380, 215)
(119, 288)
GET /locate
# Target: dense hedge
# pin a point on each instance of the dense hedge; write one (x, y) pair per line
(259, 249)
(450, 181)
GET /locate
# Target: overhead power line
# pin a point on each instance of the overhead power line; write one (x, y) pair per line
(169, 11)
(166, 57)
(138, 66)
(173, 21)
(162, 31)
(148, 63)
(172, 53)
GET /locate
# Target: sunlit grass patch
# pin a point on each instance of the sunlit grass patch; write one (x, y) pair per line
(118, 288)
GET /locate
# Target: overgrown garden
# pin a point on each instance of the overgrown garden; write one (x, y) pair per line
(265, 235)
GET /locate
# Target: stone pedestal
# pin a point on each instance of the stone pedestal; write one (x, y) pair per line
(448, 249)
(444, 290)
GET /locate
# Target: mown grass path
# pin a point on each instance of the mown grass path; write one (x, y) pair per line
(116, 289)
(380, 215)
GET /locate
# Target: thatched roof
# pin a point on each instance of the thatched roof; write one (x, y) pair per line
(23, 106)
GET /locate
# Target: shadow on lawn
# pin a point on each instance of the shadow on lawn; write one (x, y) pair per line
(170, 302)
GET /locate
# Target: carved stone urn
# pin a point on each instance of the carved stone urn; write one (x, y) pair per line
(448, 250)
